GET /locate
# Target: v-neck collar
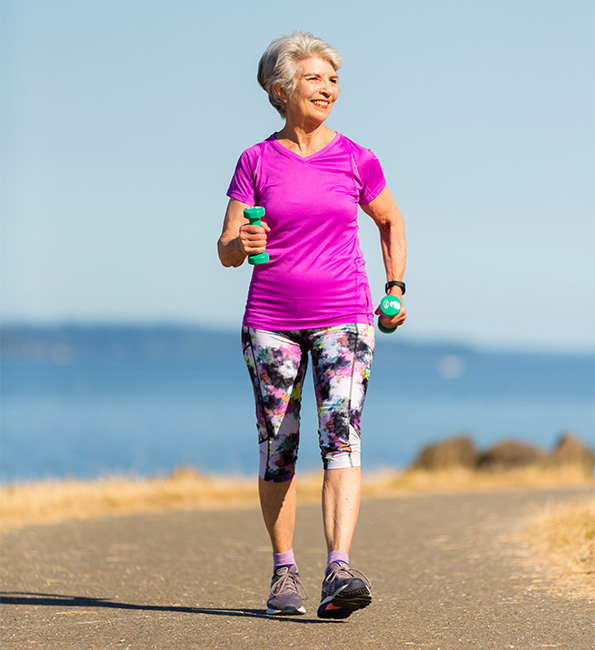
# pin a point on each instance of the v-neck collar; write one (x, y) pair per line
(292, 154)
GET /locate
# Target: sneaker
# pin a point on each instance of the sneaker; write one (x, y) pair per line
(287, 592)
(343, 592)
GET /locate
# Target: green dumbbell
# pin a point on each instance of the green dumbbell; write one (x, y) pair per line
(389, 306)
(254, 215)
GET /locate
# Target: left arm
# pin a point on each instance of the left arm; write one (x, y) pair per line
(389, 220)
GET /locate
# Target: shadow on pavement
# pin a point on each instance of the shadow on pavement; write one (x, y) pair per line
(59, 600)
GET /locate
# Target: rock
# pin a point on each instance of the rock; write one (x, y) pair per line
(571, 451)
(509, 455)
(455, 452)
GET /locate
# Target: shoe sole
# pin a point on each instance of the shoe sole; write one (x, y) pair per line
(344, 603)
(293, 611)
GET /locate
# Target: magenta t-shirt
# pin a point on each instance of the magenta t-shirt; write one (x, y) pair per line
(316, 275)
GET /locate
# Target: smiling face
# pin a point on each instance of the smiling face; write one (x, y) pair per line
(316, 90)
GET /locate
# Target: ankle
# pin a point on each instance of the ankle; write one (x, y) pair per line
(336, 556)
(283, 559)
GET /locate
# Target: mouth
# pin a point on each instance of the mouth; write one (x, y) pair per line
(323, 103)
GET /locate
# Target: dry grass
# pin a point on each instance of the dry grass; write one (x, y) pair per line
(463, 479)
(561, 538)
(54, 501)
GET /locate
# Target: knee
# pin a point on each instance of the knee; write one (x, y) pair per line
(341, 450)
(277, 460)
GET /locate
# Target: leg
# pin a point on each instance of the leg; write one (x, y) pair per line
(278, 504)
(277, 367)
(341, 494)
(342, 358)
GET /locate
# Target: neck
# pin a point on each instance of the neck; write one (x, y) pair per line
(303, 139)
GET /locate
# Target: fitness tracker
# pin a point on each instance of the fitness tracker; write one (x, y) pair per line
(394, 283)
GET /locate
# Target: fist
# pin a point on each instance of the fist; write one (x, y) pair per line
(253, 239)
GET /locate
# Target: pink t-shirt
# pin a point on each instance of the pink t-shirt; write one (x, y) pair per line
(316, 275)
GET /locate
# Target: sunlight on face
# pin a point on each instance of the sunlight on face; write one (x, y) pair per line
(316, 90)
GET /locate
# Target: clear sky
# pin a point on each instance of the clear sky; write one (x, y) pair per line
(122, 121)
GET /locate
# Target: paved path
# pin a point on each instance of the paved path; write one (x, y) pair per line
(443, 577)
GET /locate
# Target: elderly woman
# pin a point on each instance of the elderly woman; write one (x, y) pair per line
(311, 298)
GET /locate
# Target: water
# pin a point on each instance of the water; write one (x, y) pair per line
(86, 402)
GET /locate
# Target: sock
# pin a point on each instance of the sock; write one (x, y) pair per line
(283, 559)
(336, 556)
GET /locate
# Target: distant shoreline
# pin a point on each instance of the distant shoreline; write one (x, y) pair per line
(25, 337)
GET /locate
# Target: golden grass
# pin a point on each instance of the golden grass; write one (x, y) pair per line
(562, 540)
(52, 501)
(463, 479)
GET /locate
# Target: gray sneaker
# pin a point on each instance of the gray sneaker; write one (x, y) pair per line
(343, 592)
(287, 592)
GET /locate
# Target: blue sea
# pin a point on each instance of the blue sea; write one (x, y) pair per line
(85, 402)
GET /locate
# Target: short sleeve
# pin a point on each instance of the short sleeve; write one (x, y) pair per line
(242, 186)
(371, 176)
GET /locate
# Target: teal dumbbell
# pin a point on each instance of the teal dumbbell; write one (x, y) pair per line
(389, 306)
(254, 215)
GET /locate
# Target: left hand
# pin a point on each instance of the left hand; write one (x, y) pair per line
(397, 320)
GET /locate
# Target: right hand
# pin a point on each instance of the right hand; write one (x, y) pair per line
(253, 239)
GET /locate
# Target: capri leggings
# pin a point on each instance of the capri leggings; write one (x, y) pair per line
(277, 362)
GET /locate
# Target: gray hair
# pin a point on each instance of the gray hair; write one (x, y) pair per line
(279, 63)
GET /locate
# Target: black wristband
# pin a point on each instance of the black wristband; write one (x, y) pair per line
(394, 283)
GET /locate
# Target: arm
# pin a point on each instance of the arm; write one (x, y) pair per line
(389, 220)
(239, 239)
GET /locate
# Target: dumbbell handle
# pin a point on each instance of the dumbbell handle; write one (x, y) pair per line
(389, 306)
(254, 216)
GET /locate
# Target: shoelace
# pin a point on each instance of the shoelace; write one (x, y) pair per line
(343, 570)
(289, 583)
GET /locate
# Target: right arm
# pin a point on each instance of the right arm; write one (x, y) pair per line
(239, 239)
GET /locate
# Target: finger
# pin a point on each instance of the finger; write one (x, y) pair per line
(252, 229)
(395, 321)
(253, 232)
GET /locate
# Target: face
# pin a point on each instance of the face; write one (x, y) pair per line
(316, 91)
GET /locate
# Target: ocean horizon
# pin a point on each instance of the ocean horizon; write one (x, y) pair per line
(85, 401)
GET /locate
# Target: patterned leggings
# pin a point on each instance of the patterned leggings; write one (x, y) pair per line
(277, 362)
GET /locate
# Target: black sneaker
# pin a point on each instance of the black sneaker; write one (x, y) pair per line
(343, 592)
(287, 592)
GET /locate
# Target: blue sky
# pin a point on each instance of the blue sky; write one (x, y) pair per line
(123, 119)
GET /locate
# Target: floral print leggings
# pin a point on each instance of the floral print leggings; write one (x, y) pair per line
(277, 361)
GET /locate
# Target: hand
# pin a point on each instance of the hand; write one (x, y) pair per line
(253, 239)
(400, 318)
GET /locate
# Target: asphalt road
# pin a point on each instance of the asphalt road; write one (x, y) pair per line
(445, 575)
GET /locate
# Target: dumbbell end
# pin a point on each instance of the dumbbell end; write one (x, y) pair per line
(260, 258)
(386, 330)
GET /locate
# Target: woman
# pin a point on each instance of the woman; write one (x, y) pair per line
(311, 297)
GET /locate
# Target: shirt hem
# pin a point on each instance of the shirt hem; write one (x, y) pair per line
(285, 326)
(374, 195)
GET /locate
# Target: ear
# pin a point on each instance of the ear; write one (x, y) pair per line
(280, 92)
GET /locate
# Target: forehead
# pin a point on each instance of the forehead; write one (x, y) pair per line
(316, 65)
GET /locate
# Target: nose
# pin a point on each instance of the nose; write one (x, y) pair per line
(326, 90)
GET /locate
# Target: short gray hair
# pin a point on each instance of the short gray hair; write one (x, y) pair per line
(279, 63)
